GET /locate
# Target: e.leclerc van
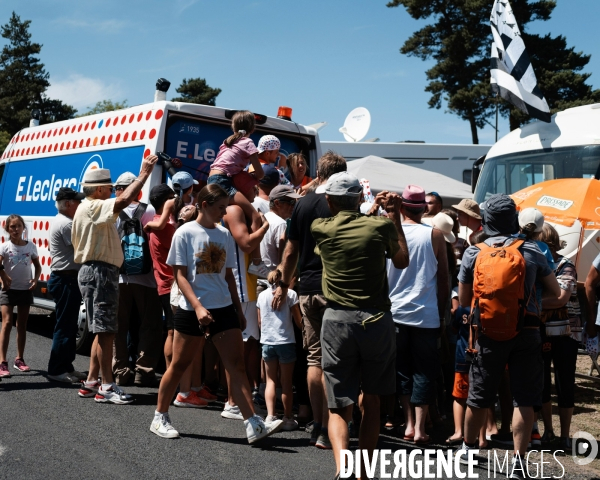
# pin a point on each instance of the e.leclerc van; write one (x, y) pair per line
(41, 159)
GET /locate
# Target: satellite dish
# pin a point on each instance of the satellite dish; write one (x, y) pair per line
(356, 125)
(318, 126)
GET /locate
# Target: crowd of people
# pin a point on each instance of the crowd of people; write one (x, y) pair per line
(271, 291)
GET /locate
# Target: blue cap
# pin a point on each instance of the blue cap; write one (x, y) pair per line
(184, 180)
(271, 177)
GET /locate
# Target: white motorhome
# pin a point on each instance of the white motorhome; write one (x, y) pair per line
(454, 161)
(41, 159)
(568, 147)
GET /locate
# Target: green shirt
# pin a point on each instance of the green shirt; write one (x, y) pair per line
(353, 249)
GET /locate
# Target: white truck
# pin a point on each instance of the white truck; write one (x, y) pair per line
(42, 158)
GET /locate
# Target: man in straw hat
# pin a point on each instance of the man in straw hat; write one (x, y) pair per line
(97, 247)
(419, 294)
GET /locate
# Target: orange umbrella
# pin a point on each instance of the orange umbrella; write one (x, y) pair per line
(564, 200)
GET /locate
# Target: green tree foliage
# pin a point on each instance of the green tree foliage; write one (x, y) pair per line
(196, 90)
(23, 81)
(4, 139)
(105, 106)
(459, 39)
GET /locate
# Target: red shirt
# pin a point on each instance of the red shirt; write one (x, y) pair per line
(160, 244)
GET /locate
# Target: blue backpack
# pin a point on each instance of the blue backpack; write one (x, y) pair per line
(134, 243)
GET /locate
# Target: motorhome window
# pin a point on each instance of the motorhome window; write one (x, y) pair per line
(513, 172)
(196, 142)
(466, 177)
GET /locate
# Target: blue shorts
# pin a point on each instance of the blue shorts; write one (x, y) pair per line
(285, 353)
(224, 181)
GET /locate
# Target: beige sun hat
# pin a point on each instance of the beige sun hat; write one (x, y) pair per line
(470, 207)
(97, 177)
(445, 224)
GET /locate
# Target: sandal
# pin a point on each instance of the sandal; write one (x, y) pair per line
(454, 441)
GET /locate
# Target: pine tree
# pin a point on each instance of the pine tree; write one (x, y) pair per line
(459, 40)
(24, 80)
(196, 90)
(105, 106)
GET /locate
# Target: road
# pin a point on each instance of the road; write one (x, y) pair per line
(48, 432)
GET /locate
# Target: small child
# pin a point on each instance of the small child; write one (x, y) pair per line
(235, 154)
(16, 257)
(279, 348)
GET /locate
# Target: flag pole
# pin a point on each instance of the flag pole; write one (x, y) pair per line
(496, 117)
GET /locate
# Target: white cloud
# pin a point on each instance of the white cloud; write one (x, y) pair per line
(104, 26)
(83, 92)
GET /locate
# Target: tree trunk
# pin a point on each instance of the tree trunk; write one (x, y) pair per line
(513, 121)
(474, 130)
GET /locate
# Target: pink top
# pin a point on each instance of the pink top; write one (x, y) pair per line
(233, 160)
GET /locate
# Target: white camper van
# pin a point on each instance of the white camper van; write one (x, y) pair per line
(568, 147)
(41, 159)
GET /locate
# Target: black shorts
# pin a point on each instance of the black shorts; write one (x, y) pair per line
(165, 301)
(186, 322)
(16, 297)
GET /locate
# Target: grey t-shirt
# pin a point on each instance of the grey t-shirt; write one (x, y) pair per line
(61, 248)
(536, 267)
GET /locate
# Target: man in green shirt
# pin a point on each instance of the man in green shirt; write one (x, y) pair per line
(357, 337)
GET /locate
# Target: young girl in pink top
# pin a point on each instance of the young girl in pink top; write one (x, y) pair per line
(236, 153)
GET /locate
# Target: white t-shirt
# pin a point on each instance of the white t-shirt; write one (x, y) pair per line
(17, 263)
(206, 252)
(276, 326)
(269, 245)
(261, 205)
(147, 279)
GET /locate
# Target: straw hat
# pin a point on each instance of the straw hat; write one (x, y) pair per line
(445, 224)
(469, 207)
(97, 177)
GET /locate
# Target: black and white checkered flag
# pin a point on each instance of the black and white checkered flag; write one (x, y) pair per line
(512, 73)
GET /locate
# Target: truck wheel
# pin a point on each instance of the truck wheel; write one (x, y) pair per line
(84, 337)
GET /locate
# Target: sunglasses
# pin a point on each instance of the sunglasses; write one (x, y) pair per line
(291, 201)
(119, 187)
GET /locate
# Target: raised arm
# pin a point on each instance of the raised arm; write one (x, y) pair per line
(393, 206)
(161, 223)
(132, 191)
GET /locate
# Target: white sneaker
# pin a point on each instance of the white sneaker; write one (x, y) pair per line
(256, 429)
(260, 270)
(161, 426)
(270, 419)
(232, 413)
(64, 378)
(78, 375)
(113, 394)
(289, 424)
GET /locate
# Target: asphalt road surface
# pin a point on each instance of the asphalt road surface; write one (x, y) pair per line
(48, 432)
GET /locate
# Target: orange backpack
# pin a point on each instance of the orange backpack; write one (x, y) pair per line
(498, 305)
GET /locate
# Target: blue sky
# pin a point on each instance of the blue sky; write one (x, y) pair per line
(322, 58)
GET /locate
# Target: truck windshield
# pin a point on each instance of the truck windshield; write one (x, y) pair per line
(515, 171)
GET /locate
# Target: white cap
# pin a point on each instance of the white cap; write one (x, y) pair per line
(126, 179)
(531, 216)
(342, 184)
(445, 224)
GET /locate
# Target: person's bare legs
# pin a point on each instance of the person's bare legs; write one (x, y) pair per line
(459, 407)
(315, 392)
(491, 427)
(369, 427)
(94, 372)
(522, 424)
(22, 317)
(474, 419)
(420, 416)
(230, 346)
(7, 314)
(168, 350)
(104, 351)
(184, 349)
(271, 368)
(252, 360)
(338, 431)
(286, 376)
(565, 415)
(483, 443)
(196, 378)
(409, 416)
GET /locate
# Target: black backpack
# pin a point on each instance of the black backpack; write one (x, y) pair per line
(134, 243)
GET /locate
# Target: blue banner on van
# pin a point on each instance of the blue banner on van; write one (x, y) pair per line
(30, 186)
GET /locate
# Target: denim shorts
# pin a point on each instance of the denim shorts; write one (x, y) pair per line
(223, 181)
(285, 353)
(99, 285)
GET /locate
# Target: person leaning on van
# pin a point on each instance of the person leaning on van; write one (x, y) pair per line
(98, 247)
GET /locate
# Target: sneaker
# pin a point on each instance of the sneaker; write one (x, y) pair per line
(78, 375)
(4, 372)
(89, 389)
(258, 399)
(548, 437)
(323, 441)
(256, 429)
(64, 378)
(161, 426)
(113, 394)
(314, 433)
(503, 439)
(270, 419)
(566, 444)
(289, 424)
(536, 439)
(260, 270)
(519, 468)
(232, 413)
(206, 394)
(191, 401)
(21, 366)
